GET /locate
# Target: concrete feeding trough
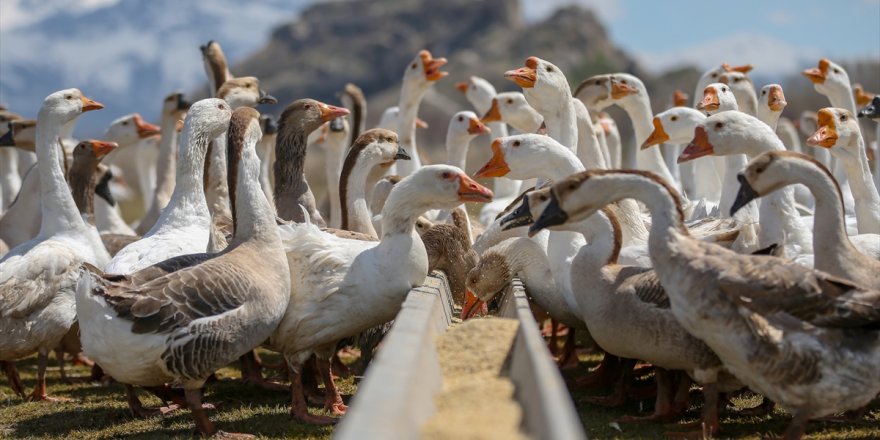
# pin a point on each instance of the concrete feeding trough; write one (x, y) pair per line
(396, 397)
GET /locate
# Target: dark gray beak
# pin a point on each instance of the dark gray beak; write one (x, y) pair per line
(8, 140)
(182, 104)
(401, 154)
(269, 124)
(521, 216)
(553, 215)
(745, 195)
(872, 110)
(337, 125)
(266, 98)
(205, 47)
(102, 189)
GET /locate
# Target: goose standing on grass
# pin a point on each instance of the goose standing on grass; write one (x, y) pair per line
(812, 358)
(181, 320)
(292, 193)
(341, 287)
(173, 110)
(419, 76)
(38, 277)
(184, 224)
(835, 252)
(838, 131)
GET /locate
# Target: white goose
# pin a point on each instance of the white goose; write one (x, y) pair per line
(179, 321)
(136, 159)
(38, 277)
(341, 287)
(812, 358)
(183, 226)
(419, 75)
(838, 130)
(835, 251)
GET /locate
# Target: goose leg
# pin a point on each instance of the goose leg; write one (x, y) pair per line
(59, 356)
(682, 398)
(164, 393)
(39, 393)
(332, 399)
(797, 427)
(251, 373)
(602, 376)
(14, 379)
(568, 359)
(618, 396)
(663, 407)
(710, 425)
(299, 409)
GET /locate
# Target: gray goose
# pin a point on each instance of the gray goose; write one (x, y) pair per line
(180, 320)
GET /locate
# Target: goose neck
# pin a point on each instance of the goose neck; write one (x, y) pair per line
(410, 100)
(861, 185)
(254, 217)
(188, 197)
(355, 214)
(82, 187)
(290, 180)
(829, 227)
(61, 214)
(457, 149)
(165, 177)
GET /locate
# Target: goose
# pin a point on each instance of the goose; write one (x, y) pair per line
(341, 287)
(369, 150)
(216, 67)
(629, 310)
(548, 92)
(183, 226)
(513, 109)
(714, 75)
(156, 325)
(629, 93)
(812, 358)
(838, 131)
(174, 108)
(300, 118)
(85, 173)
(38, 276)
(335, 144)
(464, 126)
(353, 98)
(449, 250)
(419, 75)
(835, 251)
(733, 132)
(266, 152)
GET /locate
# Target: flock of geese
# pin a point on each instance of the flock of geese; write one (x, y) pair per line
(660, 254)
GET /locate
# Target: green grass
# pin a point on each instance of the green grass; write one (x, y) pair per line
(97, 411)
(597, 420)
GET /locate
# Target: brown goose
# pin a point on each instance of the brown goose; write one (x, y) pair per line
(157, 326)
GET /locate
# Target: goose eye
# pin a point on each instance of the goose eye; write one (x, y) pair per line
(598, 82)
(623, 81)
(516, 143)
(763, 92)
(714, 75)
(68, 97)
(674, 118)
(124, 122)
(759, 170)
(572, 186)
(737, 80)
(836, 70)
(549, 69)
(446, 175)
(542, 198)
(724, 89)
(509, 101)
(460, 119)
(718, 125)
(221, 106)
(307, 106)
(842, 118)
(414, 65)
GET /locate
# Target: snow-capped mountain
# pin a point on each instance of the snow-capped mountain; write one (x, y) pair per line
(127, 54)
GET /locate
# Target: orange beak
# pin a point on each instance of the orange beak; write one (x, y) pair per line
(606, 126)
(494, 113)
(745, 68)
(178, 125)
(432, 66)
(497, 166)
(776, 100)
(658, 136)
(620, 90)
(818, 74)
(330, 112)
(862, 97)
(462, 86)
(144, 128)
(826, 135)
(710, 100)
(679, 98)
(101, 148)
(525, 77)
(698, 147)
(476, 127)
(471, 191)
(473, 306)
(89, 105)
(420, 123)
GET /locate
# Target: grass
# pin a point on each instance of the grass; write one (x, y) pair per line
(100, 412)
(598, 420)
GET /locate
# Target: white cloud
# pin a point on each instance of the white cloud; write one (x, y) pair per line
(780, 17)
(19, 13)
(536, 10)
(766, 53)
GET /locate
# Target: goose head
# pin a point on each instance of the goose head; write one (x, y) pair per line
(599, 92)
(713, 75)
(214, 62)
(861, 96)
(244, 91)
(872, 110)
(828, 78)
(423, 71)
(175, 106)
(307, 115)
(207, 119)
(268, 125)
(130, 129)
(21, 133)
(769, 172)
(530, 207)
(378, 146)
(675, 125)
(837, 130)
(679, 98)
(90, 152)
(717, 97)
(512, 108)
(515, 156)
(544, 85)
(486, 280)
(465, 125)
(772, 99)
(64, 106)
(740, 84)
(478, 92)
(338, 130)
(436, 187)
(729, 133)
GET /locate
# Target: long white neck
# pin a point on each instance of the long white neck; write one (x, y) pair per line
(862, 186)
(561, 121)
(842, 97)
(188, 199)
(165, 176)
(58, 208)
(589, 150)
(333, 157)
(457, 149)
(357, 211)
(639, 110)
(769, 117)
(599, 234)
(266, 153)
(410, 99)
